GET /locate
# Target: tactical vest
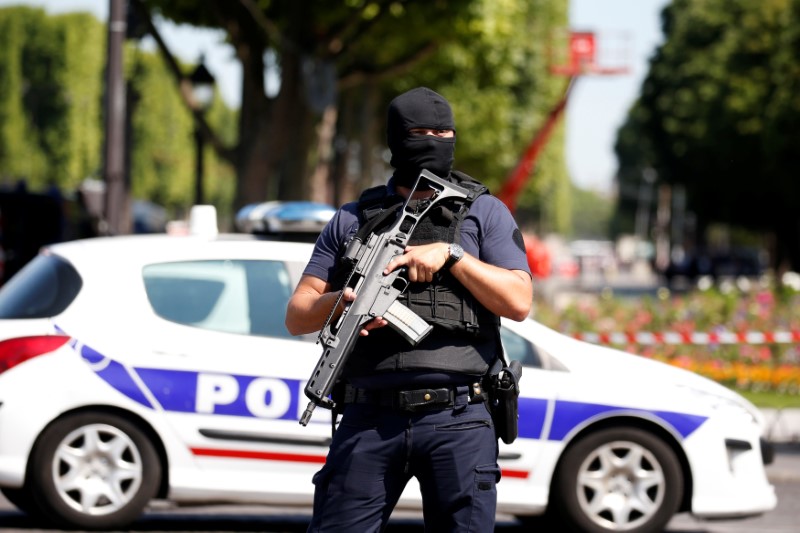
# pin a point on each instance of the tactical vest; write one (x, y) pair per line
(466, 336)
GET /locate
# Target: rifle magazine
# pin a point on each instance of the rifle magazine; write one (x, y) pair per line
(406, 322)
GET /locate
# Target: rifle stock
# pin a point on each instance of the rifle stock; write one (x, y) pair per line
(376, 294)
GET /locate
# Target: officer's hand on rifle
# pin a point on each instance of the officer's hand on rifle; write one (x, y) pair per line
(421, 261)
(377, 322)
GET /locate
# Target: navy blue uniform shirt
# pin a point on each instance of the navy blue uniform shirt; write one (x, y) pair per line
(487, 233)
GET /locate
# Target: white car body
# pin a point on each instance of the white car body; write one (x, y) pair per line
(222, 407)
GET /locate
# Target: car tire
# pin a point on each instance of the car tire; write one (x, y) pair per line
(94, 471)
(617, 479)
(22, 499)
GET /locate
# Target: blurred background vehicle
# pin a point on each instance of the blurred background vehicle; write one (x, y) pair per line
(291, 220)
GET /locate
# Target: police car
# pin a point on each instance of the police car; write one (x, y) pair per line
(140, 368)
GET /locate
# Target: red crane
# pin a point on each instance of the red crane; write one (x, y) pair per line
(582, 59)
(519, 176)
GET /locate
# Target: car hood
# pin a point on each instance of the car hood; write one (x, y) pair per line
(581, 358)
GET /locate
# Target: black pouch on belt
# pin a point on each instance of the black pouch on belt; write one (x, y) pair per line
(504, 396)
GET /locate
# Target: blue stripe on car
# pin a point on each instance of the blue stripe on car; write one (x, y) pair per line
(92, 356)
(176, 391)
(532, 413)
(114, 374)
(569, 415)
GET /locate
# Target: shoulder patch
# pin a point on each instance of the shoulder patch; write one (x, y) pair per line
(518, 240)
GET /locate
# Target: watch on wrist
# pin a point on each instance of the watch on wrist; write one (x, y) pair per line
(455, 253)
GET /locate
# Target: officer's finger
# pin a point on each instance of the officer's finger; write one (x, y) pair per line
(377, 322)
(421, 273)
(347, 297)
(395, 263)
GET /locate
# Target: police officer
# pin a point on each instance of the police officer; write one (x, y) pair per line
(419, 411)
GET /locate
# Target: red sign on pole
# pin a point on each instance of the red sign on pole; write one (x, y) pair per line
(582, 50)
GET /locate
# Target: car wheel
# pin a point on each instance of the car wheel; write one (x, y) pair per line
(22, 499)
(620, 479)
(94, 471)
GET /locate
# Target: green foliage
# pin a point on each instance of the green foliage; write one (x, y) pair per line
(50, 96)
(719, 114)
(488, 57)
(77, 141)
(771, 399)
(494, 71)
(162, 147)
(21, 154)
(51, 113)
(591, 215)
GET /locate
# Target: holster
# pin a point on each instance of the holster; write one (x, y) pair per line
(504, 402)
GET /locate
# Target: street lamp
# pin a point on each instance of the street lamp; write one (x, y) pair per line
(203, 94)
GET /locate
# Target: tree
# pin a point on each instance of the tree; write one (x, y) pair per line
(718, 114)
(321, 136)
(50, 96)
(340, 62)
(51, 106)
(592, 214)
(310, 43)
(162, 147)
(497, 75)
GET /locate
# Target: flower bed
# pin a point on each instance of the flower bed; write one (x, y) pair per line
(773, 367)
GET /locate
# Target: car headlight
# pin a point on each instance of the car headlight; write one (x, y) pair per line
(723, 402)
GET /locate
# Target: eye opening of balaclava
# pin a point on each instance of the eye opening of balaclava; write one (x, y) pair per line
(420, 108)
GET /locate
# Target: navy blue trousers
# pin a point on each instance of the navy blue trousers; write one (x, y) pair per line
(375, 452)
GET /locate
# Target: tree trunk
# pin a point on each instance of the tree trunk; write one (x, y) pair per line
(371, 173)
(787, 253)
(321, 185)
(341, 150)
(254, 154)
(357, 163)
(292, 131)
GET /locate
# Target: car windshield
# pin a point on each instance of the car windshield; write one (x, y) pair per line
(43, 288)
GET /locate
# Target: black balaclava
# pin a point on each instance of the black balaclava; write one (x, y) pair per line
(420, 108)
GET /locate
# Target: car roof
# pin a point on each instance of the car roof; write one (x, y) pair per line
(159, 248)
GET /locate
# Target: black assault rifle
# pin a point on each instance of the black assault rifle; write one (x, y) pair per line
(376, 294)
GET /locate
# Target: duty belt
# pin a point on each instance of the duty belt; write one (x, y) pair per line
(417, 399)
